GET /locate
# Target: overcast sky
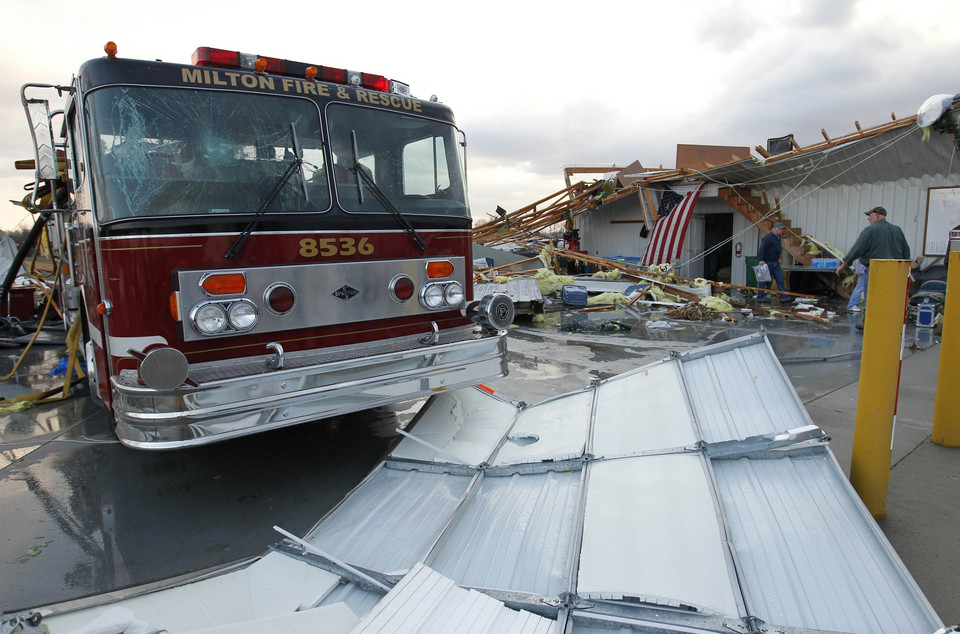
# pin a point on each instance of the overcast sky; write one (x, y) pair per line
(537, 86)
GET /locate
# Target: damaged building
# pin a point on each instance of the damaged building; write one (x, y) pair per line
(818, 191)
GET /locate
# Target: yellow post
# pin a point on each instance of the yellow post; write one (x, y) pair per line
(879, 381)
(946, 412)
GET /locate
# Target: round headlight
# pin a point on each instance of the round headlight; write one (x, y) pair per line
(242, 315)
(432, 296)
(209, 319)
(453, 294)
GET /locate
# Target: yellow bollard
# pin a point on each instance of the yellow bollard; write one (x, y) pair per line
(885, 313)
(946, 412)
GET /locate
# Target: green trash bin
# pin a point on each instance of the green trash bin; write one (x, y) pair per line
(752, 261)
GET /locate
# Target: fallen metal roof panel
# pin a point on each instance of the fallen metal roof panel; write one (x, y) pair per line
(426, 601)
(521, 291)
(740, 391)
(674, 513)
(514, 534)
(651, 533)
(389, 522)
(462, 427)
(552, 430)
(796, 572)
(644, 410)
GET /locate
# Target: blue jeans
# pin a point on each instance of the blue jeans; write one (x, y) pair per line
(777, 274)
(860, 290)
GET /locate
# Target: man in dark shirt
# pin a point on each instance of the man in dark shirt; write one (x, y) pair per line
(770, 249)
(880, 240)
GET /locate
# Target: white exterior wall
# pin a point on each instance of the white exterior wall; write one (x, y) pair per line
(600, 236)
(835, 214)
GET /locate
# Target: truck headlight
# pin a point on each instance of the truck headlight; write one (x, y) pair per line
(209, 318)
(453, 294)
(242, 315)
(431, 296)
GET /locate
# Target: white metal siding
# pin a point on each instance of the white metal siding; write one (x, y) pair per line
(835, 214)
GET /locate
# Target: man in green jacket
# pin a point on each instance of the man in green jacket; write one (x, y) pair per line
(880, 240)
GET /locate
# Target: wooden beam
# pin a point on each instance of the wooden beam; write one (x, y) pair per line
(653, 207)
(824, 133)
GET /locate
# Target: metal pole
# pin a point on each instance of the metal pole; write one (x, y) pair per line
(885, 314)
(946, 412)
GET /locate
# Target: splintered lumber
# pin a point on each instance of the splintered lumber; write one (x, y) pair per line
(523, 224)
(523, 261)
(594, 309)
(812, 317)
(611, 264)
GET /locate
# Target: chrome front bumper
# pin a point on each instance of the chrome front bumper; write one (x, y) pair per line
(244, 396)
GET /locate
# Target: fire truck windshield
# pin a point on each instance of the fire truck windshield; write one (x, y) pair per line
(164, 151)
(167, 151)
(415, 163)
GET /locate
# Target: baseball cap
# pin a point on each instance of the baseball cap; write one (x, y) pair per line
(779, 225)
(876, 210)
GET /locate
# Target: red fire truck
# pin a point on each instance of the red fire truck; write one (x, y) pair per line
(251, 242)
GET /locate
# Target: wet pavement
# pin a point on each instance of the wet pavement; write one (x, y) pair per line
(81, 514)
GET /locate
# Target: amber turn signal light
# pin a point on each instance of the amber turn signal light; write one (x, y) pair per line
(224, 284)
(439, 268)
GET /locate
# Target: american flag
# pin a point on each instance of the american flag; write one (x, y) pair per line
(669, 233)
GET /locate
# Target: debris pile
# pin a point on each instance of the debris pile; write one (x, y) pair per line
(693, 312)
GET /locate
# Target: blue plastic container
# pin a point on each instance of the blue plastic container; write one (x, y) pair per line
(573, 295)
(925, 315)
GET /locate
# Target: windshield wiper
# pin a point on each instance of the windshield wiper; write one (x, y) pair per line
(296, 166)
(364, 175)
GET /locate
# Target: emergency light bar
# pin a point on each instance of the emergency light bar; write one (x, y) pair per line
(219, 58)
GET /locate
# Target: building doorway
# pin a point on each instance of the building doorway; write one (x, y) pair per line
(718, 261)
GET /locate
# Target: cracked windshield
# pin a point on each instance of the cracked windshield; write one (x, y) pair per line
(185, 152)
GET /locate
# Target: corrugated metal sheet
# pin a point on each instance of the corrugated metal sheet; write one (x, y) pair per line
(837, 579)
(643, 411)
(650, 533)
(465, 426)
(426, 601)
(389, 522)
(514, 534)
(741, 393)
(270, 588)
(521, 291)
(555, 430)
(690, 506)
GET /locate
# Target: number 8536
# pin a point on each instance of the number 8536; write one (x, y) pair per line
(330, 247)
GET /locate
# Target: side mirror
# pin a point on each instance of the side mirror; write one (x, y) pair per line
(38, 115)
